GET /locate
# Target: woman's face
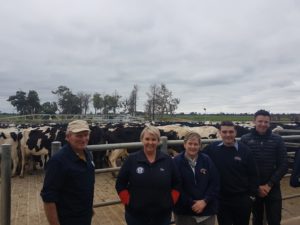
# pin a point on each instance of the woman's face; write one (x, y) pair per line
(150, 142)
(192, 147)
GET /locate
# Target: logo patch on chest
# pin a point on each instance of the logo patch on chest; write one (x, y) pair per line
(140, 170)
(237, 158)
(203, 170)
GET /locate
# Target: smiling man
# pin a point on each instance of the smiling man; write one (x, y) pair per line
(68, 189)
(238, 176)
(271, 157)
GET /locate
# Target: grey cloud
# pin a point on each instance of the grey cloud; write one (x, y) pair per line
(209, 54)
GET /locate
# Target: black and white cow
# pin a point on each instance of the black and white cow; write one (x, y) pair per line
(10, 136)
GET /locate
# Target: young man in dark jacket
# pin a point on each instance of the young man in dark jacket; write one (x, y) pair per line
(238, 175)
(271, 158)
(295, 177)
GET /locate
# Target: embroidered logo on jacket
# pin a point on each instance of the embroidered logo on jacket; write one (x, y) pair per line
(140, 170)
(203, 170)
(237, 158)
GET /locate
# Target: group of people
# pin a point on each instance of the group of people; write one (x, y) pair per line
(227, 180)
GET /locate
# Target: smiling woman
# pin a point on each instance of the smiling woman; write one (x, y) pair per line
(148, 183)
(150, 139)
(200, 185)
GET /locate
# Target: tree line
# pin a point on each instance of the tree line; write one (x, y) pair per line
(160, 101)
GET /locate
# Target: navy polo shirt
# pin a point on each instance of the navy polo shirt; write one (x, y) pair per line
(69, 183)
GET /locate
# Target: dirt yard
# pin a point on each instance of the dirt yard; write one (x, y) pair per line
(27, 207)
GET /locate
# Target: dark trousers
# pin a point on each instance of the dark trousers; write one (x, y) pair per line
(235, 210)
(272, 204)
(147, 220)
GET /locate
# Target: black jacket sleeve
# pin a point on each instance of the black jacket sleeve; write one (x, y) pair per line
(252, 174)
(295, 177)
(214, 183)
(123, 176)
(281, 161)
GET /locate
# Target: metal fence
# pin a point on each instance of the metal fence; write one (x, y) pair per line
(5, 201)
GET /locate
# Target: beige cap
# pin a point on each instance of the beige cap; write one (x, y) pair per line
(77, 126)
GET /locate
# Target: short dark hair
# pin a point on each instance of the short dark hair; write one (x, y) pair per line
(262, 112)
(227, 123)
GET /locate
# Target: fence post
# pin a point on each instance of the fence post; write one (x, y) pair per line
(164, 144)
(55, 146)
(5, 207)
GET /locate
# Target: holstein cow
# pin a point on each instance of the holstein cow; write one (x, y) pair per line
(206, 132)
(10, 136)
(122, 135)
(98, 136)
(173, 132)
(36, 143)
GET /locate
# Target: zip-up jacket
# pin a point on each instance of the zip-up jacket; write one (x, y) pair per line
(149, 184)
(295, 177)
(69, 183)
(237, 169)
(270, 155)
(203, 184)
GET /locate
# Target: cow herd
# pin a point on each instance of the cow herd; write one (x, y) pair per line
(32, 145)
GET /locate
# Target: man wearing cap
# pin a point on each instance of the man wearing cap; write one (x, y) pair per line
(68, 189)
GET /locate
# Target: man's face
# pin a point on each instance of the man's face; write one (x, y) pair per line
(78, 141)
(262, 123)
(228, 134)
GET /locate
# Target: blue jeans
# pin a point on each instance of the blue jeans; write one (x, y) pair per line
(147, 220)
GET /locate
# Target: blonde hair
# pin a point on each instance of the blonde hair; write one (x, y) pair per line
(151, 130)
(191, 135)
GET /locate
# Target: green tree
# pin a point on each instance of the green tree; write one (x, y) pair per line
(33, 102)
(160, 101)
(111, 103)
(84, 101)
(130, 104)
(115, 102)
(49, 107)
(98, 102)
(19, 102)
(26, 104)
(68, 102)
(152, 101)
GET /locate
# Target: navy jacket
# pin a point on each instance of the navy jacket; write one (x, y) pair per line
(69, 183)
(295, 177)
(270, 155)
(203, 185)
(237, 169)
(149, 184)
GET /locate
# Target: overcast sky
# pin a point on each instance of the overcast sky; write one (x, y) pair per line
(225, 56)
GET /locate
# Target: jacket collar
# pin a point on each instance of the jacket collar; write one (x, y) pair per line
(267, 134)
(73, 156)
(142, 157)
(236, 145)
